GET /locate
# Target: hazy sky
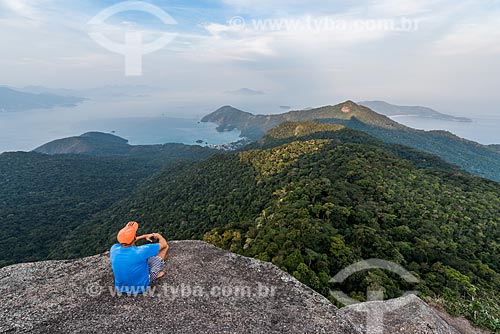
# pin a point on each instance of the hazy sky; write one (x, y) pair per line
(443, 54)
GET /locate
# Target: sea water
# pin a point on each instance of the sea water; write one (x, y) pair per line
(484, 130)
(24, 131)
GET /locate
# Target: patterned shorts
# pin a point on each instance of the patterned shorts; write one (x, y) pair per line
(154, 263)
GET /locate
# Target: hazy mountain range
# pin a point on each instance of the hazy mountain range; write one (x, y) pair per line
(245, 92)
(13, 100)
(102, 91)
(32, 97)
(388, 109)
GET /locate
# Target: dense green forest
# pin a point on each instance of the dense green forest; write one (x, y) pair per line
(314, 198)
(43, 198)
(495, 148)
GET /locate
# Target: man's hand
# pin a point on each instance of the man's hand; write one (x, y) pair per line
(151, 236)
(148, 237)
(162, 241)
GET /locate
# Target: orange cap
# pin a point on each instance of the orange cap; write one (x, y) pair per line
(127, 234)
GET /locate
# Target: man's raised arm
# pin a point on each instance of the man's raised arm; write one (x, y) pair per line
(145, 236)
(163, 245)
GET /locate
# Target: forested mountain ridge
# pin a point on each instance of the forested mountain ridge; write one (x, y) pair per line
(318, 202)
(473, 157)
(255, 126)
(480, 160)
(308, 130)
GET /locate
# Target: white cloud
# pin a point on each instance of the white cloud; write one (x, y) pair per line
(282, 37)
(261, 6)
(31, 12)
(226, 42)
(402, 7)
(20, 7)
(471, 38)
(365, 7)
(49, 38)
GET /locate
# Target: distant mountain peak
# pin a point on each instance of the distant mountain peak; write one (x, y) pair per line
(349, 110)
(245, 92)
(227, 109)
(227, 118)
(104, 137)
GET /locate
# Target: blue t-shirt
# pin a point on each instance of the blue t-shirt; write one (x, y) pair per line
(130, 266)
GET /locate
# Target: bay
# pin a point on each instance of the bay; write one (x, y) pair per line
(139, 122)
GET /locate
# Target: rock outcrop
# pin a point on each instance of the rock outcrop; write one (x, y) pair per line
(205, 290)
(409, 315)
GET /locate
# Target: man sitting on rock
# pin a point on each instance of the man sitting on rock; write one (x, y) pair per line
(136, 267)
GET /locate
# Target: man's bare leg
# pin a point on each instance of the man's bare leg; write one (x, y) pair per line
(163, 253)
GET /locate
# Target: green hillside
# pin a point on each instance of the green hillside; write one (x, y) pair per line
(480, 160)
(314, 199)
(43, 198)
